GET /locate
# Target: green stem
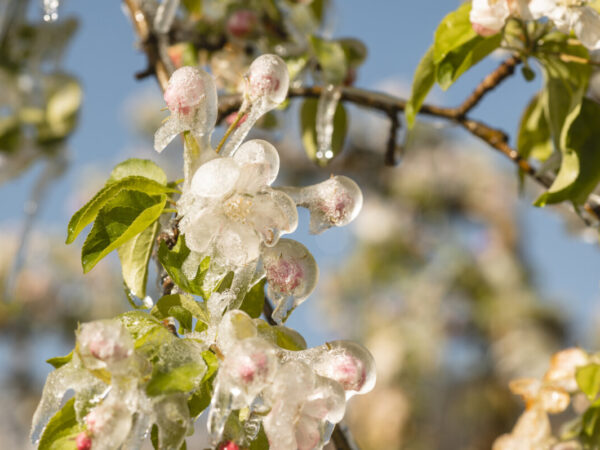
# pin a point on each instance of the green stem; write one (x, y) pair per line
(233, 126)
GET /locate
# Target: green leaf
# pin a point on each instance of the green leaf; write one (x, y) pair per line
(282, 336)
(61, 430)
(59, 361)
(331, 58)
(90, 210)
(462, 58)
(355, 51)
(139, 323)
(173, 260)
(62, 108)
(534, 138)
(423, 81)
(179, 379)
(453, 31)
(134, 256)
(261, 442)
(588, 380)
(163, 306)
(308, 120)
(122, 218)
(580, 168)
(254, 300)
(212, 364)
(136, 167)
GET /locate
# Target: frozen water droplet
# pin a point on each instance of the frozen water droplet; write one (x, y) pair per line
(292, 275)
(326, 106)
(50, 10)
(267, 85)
(165, 14)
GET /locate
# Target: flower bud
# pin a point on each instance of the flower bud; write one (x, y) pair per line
(268, 79)
(83, 441)
(185, 91)
(242, 23)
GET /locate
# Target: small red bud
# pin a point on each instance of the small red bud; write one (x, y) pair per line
(83, 441)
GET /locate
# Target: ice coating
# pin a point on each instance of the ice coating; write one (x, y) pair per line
(104, 344)
(191, 96)
(235, 326)
(109, 424)
(292, 275)
(261, 157)
(267, 83)
(326, 106)
(333, 202)
(165, 14)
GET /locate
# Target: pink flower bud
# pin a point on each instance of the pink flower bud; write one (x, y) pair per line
(185, 91)
(285, 275)
(251, 366)
(228, 445)
(241, 23)
(268, 79)
(83, 441)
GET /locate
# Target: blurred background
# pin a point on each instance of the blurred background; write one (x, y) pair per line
(449, 276)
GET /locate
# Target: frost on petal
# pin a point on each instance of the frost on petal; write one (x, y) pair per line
(260, 159)
(215, 178)
(489, 16)
(273, 214)
(292, 275)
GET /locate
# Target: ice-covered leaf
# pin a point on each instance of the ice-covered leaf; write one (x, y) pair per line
(260, 442)
(59, 361)
(308, 117)
(139, 324)
(282, 336)
(588, 380)
(423, 81)
(122, 218)
(90, 210)
(61, 430)
(173, 261)
(172, 420)
(134, 256)
(140, 168)
(163, 307)
(178, 379)
(254, 300)
(534, 138)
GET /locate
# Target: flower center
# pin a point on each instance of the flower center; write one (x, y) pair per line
(238, 207)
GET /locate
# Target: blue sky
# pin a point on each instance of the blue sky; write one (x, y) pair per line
(397, 33)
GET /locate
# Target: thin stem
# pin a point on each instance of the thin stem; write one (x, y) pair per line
(233, 126)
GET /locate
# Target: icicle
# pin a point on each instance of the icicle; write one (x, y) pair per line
(328, 101)
(50, 10)
(267, 84)
(165, 14)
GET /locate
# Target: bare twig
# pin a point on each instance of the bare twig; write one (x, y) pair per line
(390, 153)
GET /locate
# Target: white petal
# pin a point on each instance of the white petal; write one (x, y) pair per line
(216, 178)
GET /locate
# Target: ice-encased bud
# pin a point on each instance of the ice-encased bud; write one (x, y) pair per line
(346, 362)
(191, 96)
(333, 202)
(103, 344)
(292, 275)
(250, 366)
(241, 23)
(185, 91)
(260, 161)
(228, 445)
(268, 80)
(109, 424)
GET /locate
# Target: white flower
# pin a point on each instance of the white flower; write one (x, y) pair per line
(489, 16)
(569, 15)
(230, 210)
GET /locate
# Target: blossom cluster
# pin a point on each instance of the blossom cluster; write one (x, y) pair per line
(489, 17)
(230, 215)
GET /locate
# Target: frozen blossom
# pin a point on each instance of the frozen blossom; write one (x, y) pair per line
(489, 16)
(241, 23)
(230, 210)
(191, 97)
(267, 83)
(334, 202)
(291, 273)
